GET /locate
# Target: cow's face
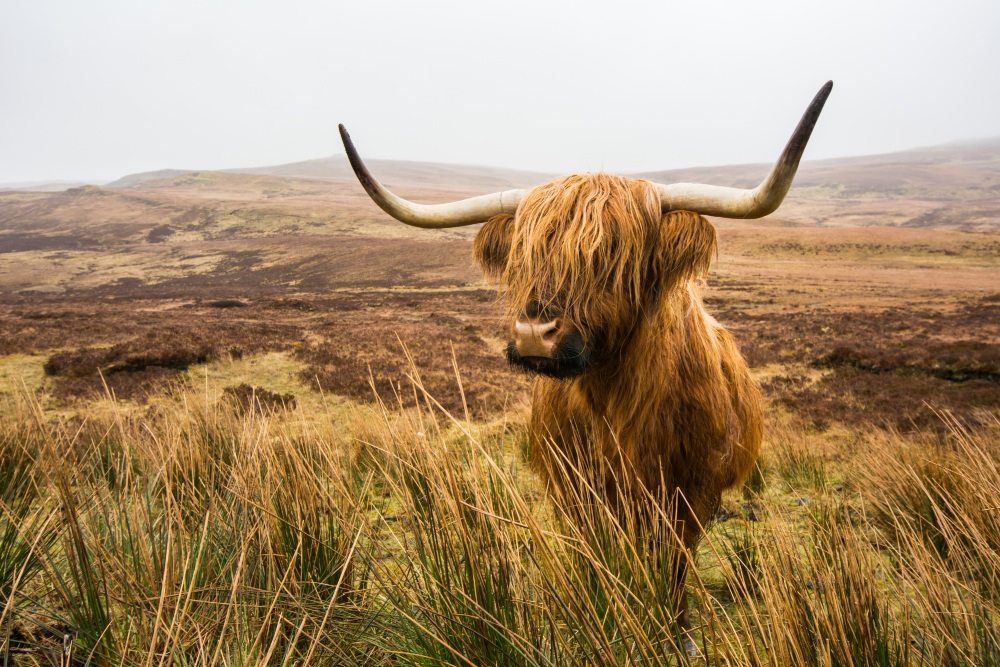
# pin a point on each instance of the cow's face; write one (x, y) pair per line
(581, 263)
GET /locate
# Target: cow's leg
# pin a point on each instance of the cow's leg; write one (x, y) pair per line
(689, 534)
(681, 607)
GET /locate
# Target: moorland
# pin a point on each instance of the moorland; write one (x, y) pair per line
(247, 418)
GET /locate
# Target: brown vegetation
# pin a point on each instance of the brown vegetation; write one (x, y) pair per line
(848, 352)
(145, 361)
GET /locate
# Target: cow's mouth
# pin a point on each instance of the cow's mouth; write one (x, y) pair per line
(568, 361)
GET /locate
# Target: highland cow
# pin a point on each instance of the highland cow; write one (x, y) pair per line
(599, 275)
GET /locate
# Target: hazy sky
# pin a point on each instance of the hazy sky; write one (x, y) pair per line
(98, 89)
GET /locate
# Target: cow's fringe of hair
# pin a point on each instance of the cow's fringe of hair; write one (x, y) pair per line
(595, 244)
(590, 237)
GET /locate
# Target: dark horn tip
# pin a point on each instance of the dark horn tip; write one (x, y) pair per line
(808, 121)
(824, 92)
(352, 152)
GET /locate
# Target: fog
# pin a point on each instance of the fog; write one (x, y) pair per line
(100, 89)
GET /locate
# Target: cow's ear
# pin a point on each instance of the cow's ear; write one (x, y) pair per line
(684, 249)
(492, 245)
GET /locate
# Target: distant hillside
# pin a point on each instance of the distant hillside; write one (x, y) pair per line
(141, 177)
(43, 186)
(410, 174)
(953, 185)
(972, 166)
(310, 226)
(964, 170)
(391, 172)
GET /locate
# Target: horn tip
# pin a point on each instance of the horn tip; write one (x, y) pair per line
(345, 139)
(824, 92)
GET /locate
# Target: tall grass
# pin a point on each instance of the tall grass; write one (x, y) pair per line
(192, 533)
(190, 536)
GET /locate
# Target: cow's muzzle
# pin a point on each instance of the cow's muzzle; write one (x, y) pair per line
(546, 344)
(537, 339)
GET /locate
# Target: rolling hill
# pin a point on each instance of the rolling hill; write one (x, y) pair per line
(311, 224)
(954, 185)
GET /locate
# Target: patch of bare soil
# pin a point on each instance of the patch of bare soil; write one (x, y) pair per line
(151, 358)
(247, 398)
(888, 361)
(364, 352)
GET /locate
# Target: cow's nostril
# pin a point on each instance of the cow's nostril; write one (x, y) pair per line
(534, 339)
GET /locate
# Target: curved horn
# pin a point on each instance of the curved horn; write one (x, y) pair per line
(762, 200)
(430, 216)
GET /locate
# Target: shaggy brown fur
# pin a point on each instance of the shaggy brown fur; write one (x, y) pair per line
(667, 398)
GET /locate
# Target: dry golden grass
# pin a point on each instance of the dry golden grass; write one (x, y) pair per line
(195, 532)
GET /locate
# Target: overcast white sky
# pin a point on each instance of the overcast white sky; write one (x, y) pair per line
(98, 89)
